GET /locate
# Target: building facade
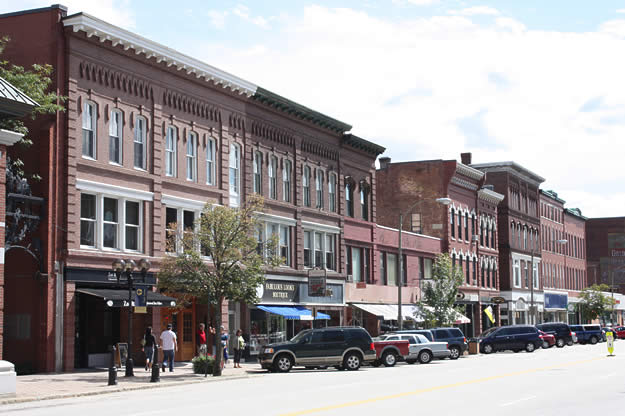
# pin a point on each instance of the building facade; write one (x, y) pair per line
(467, 227)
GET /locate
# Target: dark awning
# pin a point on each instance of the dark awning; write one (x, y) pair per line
(117, 298)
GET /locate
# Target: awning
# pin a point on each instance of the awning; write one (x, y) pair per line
(389, 312)
(293, 312)
(116, 298)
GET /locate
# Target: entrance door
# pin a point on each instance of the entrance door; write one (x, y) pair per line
(186, 348)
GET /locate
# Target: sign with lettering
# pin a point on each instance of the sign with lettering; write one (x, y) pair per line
(278, 291)
(317, 283)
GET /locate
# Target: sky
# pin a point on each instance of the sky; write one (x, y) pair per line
(533, 81)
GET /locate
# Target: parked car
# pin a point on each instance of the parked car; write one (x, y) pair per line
(454, 337)
(587, 333)
(619, 332)
(425, 332)
(512, 337)
(421, 349)
(560, 330)
(389, 350)
(548, 339)
(341, 347)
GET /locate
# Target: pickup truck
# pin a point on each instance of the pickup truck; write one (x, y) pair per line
(421, 349)
(389, 352)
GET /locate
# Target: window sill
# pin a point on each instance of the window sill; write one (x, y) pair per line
(116, 164)
(89, 158)
(140, 169)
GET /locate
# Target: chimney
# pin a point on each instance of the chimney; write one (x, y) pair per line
(465, 158)
(384, 162)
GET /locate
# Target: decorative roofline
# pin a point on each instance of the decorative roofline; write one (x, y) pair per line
(513, 168)
(552, 195)
(468, 171)
(362, 144)
(490, 196)
(104, 31)
(576, 212)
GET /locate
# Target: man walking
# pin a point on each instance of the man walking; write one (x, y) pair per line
(170, 346)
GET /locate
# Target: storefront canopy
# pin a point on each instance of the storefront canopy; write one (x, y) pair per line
(389, 312)
(293, 312)
(116, 298)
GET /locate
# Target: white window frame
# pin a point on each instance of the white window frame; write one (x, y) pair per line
(332, 192)
(535, 275)
(191, 158)
(94, 221)
(234, 174)
(139, 226)
(257, 170)
(306, 186)
(211, 150)
(116, 124)
(268, 229)
(287, 172)
(90, 113)
(323, 235)
(171, 151)
(319, 189)
(115, 223)
(516, 270)
(273, 177)
(141, 134)
(180, 226)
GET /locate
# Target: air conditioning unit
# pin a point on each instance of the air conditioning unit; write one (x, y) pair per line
(349, 278)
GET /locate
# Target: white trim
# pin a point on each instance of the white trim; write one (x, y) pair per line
(9, 138)
(314, 226)
(113, 190)
(118, 36)
(519, 256)
(303, 278)
(184, 203)
(409, 232)
(2, 255)
(2, 224)
(276, 219)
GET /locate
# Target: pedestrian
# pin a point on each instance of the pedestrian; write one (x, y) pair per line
(200, 341)
(149, 347)
(238, 349)
(224, 344)
(170, 346)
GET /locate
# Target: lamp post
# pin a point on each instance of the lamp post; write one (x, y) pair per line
(127, 267)
(400, 278)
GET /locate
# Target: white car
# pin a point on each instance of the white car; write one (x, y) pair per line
(421, 349)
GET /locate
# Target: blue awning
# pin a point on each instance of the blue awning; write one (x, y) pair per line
(293, 312)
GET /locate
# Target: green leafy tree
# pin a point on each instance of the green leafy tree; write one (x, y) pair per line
(594, 303)
(436, 307)
(228, 237)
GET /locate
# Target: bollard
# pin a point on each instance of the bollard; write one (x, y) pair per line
(156, 372)
(112, 369)
(129, 367)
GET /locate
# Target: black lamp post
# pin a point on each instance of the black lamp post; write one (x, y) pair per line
(120, 266)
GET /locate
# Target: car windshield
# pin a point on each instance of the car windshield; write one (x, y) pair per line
(487, 332)
(300, 335)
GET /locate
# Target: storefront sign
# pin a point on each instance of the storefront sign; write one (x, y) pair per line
(278, 291)
(498, 299)
(556, 301)
(317, 283)
(103, 276)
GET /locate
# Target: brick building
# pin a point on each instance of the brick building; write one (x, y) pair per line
(519, 248)
(149, 137)
(563, 266)
(467, 227)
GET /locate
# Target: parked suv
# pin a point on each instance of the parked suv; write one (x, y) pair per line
(454, 337)
(560, 330)
(587, 333)
(341, 347)
(513, 337)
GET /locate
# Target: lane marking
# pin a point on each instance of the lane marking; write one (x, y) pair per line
(517, 401)
(432, 389)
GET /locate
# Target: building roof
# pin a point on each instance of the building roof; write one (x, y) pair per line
(553, 195)
(362, 144)
(575, 212)
(13, 101)
(511, 167)
(104, 31)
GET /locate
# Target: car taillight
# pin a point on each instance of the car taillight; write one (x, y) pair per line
(570, 334)
(372, 346)
(447, 346)
(465, 340)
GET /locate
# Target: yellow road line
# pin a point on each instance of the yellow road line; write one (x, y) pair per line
(435, 388)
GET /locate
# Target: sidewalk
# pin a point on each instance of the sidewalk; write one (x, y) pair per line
(95, 381)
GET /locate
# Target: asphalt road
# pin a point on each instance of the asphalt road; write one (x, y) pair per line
(574, 380)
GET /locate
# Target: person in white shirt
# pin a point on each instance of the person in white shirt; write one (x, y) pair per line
(170, 346)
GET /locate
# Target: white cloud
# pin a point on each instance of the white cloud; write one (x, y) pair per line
(415, 2)
(217, 18)
(620, 11)
(614, 27)
(430, 88)
(244, 13)
(476, 11)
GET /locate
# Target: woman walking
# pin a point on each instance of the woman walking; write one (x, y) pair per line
(149, 347)
(239, 345)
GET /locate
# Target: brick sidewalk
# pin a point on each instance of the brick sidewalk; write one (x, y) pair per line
(91, 382)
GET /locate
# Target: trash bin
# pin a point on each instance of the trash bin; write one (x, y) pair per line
(474, 347)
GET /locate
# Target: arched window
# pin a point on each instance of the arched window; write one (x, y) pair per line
(171, 144)
(452, 214)
(89, 124)
(364, 200)
(115, 137)
(306, 185)
(349, 199)
(140, 143)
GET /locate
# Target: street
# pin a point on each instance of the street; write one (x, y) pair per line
(573, 380)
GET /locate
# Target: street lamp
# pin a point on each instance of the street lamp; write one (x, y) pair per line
(127, 267)
(442, 201)
(532, 310)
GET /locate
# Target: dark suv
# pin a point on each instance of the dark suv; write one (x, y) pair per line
(561, 331)
(513, 337)
(454, 337)
(587, 333)
(341, 347)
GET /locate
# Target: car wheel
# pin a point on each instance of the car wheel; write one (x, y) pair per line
(283, 363)
(545, 345)
(530, 347)
(455, 353)
(569, 343)
(352, 361)
(487, 349)
(560, 343)
(411, 361)
(593, 340)
(389, 359)
(425, 357)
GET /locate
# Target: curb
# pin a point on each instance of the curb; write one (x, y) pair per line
(119, 389)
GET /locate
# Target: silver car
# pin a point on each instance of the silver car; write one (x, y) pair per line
(421, 349)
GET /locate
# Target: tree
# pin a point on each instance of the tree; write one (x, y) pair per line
(594, 303)
(436, 306)
(226, 236)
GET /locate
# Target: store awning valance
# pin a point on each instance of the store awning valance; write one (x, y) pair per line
(389, 312)
(293, 312)
(116, 298)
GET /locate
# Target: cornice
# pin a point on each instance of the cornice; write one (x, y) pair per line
(104, 31)
(468, 171)
(464, 183)
(513, 169)
(490, 196)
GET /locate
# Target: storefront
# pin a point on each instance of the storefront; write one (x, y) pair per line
(516, 310)
(556, 307)
(285, 308)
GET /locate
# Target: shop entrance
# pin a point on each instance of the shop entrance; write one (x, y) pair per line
(182, 324)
